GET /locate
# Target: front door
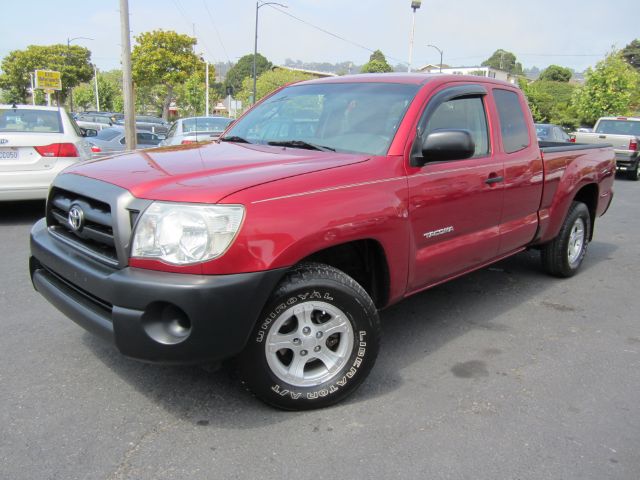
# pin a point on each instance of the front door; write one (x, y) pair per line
(455, 206)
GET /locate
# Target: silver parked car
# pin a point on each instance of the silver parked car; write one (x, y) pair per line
(110, 141)
(94, 120)
(196, 129)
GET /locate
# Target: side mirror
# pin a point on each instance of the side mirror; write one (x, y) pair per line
(161, 136)
(444, 145)
(89, 132)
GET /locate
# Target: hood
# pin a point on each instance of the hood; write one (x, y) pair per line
(207, 173)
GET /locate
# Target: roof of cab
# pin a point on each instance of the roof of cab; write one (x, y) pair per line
(406, 78)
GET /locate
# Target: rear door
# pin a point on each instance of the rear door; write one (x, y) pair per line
(523, 171)
(454, 206)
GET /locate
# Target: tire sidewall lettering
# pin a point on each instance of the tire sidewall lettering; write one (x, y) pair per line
(334, 386)
(282, 306)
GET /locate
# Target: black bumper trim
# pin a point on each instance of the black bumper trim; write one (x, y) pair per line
(116, 304)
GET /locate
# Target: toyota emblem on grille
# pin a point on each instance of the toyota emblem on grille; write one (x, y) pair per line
(75, 218)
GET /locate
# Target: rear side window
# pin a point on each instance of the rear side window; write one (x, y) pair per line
(462, 113)
(513, 126)
(26, 120)
(619, 127)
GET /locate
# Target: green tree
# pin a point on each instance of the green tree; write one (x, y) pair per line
(550, 102)
(609, 89)
(505, 61)
(109, 88)
(163, 59)
(631, 53)
(84, 97)
(268, 82)
(191, 96)
(73, 62)
(556, 73)
(243, 70)
(114, 99)
(377, 64)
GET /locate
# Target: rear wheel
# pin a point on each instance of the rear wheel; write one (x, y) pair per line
(316, 341)
(563, 256)
(635, 173)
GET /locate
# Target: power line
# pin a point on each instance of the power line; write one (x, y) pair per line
(216, 30)
(191, 24)
(335, 35)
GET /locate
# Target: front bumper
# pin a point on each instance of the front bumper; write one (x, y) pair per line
(149, 315)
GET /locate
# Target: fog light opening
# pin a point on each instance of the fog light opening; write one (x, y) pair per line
(165, 323)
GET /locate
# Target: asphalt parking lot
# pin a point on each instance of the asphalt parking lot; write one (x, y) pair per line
(503, 374)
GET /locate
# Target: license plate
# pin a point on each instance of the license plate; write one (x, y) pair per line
(8, 154)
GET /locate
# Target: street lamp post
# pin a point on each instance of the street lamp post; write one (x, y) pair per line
(255, 43)
(440, 51)
(69, 40)
(415, 5)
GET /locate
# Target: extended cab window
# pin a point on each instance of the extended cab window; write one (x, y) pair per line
(462, 113)
(513, 126)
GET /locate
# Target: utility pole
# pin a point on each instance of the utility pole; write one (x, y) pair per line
(127, 81)
(206, 95)
(33, 90)
(95, 76)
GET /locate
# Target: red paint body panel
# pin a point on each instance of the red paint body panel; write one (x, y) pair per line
(299, 202)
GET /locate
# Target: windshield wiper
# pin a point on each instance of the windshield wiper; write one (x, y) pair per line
(234, 138)
(301, 144)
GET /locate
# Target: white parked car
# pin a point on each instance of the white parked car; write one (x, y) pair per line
(35, 144)
(195, 130)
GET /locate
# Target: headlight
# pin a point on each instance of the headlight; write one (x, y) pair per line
(181, 233)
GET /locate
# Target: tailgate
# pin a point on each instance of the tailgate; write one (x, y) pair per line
(619, 142)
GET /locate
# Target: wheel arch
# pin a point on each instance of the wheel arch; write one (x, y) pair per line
(588, 194)
(363, 260)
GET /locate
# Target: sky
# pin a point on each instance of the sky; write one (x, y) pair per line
(571, 33)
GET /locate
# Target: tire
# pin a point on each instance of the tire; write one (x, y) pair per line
(329, 332)
(635, 173)
(563, 256)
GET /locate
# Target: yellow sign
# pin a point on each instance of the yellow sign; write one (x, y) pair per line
(48, 79)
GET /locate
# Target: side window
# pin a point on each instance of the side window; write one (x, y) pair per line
(465, 113)
(515, 135)
(563, 135)
(172, 130)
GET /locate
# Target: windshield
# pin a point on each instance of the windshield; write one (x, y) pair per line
(619, 127)
(345, 117)
(27, 120)
(205, 124)
(542, 130)
(107, 134)
(148, 119)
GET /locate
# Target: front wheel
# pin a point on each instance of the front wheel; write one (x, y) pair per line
(315, 342)
(563, 255)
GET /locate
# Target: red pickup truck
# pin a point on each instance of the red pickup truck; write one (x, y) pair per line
(326, 202)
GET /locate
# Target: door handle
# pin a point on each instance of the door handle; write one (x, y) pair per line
(495, 179)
